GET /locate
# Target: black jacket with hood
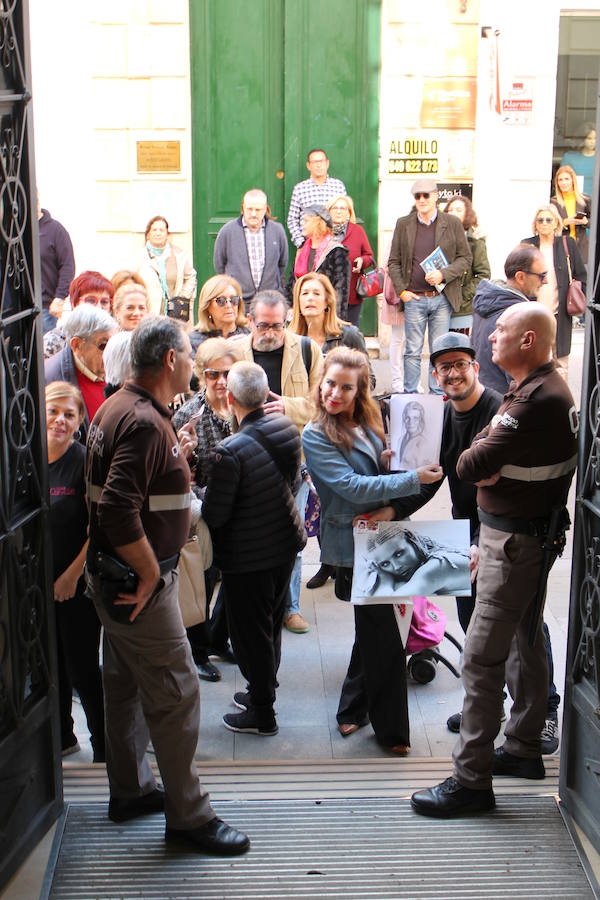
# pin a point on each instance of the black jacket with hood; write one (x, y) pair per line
(491, 299)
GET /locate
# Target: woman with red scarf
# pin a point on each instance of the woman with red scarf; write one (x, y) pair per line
(321, 252)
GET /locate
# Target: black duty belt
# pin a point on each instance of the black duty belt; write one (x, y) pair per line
(95, 558)
(532, 527)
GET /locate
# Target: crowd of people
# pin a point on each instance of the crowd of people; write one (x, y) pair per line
(260, 418)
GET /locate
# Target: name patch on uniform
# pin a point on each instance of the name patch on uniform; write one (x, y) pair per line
(506, 420)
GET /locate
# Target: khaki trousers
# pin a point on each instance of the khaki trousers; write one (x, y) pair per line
(151, 690)
(497, 649)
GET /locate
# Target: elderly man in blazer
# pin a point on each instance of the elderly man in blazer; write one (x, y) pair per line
(428, 296)
(253, 248)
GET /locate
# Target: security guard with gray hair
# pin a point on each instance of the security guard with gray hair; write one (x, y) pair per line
(523, 464)
(138, 486)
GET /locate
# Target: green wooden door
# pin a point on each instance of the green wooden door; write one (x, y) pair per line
(270, 80)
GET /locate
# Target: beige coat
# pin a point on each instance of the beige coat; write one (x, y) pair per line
(185, 284)
(296, 387)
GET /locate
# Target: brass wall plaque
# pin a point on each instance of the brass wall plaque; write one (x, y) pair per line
(158, 156)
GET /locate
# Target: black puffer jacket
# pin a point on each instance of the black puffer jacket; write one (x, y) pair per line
(249, 505)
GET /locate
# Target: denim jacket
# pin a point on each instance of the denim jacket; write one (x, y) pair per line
(348, 483)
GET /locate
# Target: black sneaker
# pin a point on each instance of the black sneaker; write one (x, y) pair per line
(241, 699)
(248, 723)
(454, 721)
(550, 736)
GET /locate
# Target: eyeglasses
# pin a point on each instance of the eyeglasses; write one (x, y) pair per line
(541, 275)
(424, 195)
(215, 374)
(263, 327)
(338, 209)
(547, 219)
(461, 366)
(104, 302)
(223, 301)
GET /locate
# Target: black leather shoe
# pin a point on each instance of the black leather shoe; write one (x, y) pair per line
(321, 577)
(122, 810)
(453, 723)
(518, 766)
(207, 671)
(450, 799)
(215, 837)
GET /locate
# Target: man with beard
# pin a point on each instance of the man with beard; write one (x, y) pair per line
(292, 365)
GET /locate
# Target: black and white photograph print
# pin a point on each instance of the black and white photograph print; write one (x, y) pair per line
(404, 559)
(416, 422)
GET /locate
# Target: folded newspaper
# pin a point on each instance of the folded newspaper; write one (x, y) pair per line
(435, 260)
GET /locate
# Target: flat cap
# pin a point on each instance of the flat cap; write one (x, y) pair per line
(453, 340)
(424, 186)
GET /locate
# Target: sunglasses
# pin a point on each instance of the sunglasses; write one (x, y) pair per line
(541, 275)
(424, 195)
(215, 374)
(223, 301)
(547, 219)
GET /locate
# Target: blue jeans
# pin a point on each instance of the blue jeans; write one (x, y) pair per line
(426, 312)
(293, 598)
(48, 321)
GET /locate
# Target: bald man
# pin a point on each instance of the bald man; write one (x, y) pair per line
(253, 248)
(522, 464)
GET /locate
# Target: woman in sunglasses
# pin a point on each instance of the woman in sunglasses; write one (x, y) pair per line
(220, 311)
(210, 414)
(548, 237)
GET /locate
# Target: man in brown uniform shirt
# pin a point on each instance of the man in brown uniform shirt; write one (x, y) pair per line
(138, 485)
(523, 463)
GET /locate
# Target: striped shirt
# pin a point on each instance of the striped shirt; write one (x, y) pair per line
(255, 242)
(309, 193)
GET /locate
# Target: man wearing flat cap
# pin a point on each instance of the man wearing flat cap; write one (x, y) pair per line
(428, 297)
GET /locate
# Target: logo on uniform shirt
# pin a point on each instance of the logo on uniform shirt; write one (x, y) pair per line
(506, 420)
(175, 450)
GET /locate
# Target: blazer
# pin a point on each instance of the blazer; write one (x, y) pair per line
(231, 257)
(348, 483)
(449, 236)
(185, 285)
(578, 271)
(296, 384)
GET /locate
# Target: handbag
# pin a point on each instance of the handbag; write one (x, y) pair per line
(370, 283)
(196, 556)
(576, 302)
(179, 308)
(389, 291)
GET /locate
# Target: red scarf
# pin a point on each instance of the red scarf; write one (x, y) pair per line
(301, 263)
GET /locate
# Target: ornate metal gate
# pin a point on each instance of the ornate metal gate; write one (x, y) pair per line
(30, 769)
(580, 761)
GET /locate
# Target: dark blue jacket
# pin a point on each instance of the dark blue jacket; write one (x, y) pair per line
(491, 299)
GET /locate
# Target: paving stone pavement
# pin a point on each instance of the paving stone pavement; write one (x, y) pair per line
(313, 664)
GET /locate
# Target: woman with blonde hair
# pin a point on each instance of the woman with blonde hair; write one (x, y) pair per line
(352, 236)
(554, 245)
(322, 252)
(220, 311)
(574, 208)
(314, 314)
(209, 411)
(344, 450)
(77, 624)
(130, 305)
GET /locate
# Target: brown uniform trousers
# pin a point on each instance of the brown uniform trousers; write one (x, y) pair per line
(151, 690)
(497, 649)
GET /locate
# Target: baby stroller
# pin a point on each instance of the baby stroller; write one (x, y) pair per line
(427, 631)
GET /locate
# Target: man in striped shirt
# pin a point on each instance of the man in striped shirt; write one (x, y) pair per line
(315, 191)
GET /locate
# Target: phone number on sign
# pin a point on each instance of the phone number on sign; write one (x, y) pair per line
(412, 166)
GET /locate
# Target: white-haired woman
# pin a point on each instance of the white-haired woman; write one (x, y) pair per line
(117, 362)
(549, 238)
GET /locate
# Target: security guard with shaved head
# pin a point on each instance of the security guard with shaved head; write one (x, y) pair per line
(523, 463)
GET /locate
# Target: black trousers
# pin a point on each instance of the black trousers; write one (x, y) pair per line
(255, 611)
(78, 642)
(213, 633)
(375, 685)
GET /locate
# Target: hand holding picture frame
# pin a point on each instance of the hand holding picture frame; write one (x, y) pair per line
(416, 423)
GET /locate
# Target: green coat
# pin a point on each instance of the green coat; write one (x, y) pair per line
(480, 268)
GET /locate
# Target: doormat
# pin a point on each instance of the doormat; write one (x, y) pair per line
(375, 849)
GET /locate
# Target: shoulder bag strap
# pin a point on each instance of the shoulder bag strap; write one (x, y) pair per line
(306, 354)
(565, 245)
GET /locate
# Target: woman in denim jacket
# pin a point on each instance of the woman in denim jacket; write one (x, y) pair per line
(344, 450)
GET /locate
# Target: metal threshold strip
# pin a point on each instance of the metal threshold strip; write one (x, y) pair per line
(310, 779)
(356, 849)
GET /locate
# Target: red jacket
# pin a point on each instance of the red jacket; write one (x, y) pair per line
(357, 243)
